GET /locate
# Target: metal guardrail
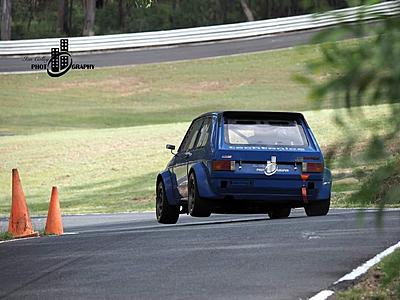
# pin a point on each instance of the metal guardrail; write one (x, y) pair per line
(201, 34)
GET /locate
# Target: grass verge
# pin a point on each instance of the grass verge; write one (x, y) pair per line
(5, 236)
(381, 282)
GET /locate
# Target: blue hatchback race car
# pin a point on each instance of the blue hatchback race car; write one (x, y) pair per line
(244, 162)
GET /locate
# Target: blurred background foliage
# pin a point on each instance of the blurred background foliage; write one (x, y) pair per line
(49, 18)
(354, 75)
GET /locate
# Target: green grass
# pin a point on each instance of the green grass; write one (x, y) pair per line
(5, 236)
(381, 283)
(100, 135)
(155, 93)
(100, 170)
(108, 170)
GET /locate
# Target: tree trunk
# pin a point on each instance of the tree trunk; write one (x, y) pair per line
(122, 15)
(89, 7)
(70, 16)
(31, 9)
(246, 10)
(6, 20)
(177, 4)
(267, 9)
(63, 16)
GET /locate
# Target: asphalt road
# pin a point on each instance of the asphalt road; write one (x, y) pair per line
(129, 256)
(173, 53)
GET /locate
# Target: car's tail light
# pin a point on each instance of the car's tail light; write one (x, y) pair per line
(223, 165)
(309, 167)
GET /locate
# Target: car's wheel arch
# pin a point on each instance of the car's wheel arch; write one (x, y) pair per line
(165, 178)
(325, 191)
(327, 176)
(202, 181)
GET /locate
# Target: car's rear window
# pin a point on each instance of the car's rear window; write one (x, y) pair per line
(264, 132)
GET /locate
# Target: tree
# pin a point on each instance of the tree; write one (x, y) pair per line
(89, 7)
(63, 19)
(144, 3)
(247, 11)
(122, 14)
(358, 73)
(6, 20)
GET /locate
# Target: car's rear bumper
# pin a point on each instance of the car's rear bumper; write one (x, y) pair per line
(263, 190)
(226, 186)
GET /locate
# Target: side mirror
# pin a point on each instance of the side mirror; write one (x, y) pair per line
(170, 147)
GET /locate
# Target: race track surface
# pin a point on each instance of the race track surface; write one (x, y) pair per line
(174, 53)
(130, 256)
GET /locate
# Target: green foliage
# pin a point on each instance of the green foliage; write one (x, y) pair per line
(364, 73)
(391, 268)
(38, 19)
(5, 236)
(33, 20)
(356, 74)
(381, 186)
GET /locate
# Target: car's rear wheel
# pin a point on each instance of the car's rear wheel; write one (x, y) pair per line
(279, 213)
(197, 206)
(318, 208)
(165, 213)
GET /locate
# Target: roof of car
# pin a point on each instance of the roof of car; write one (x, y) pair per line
(250, 112)
(255, 114)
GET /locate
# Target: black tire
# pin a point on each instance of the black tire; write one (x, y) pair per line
(279, 213)
(197, 206)
(318, 208)
(165, 213)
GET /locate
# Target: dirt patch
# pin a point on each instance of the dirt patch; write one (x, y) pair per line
(211, 86)
(124, 86)
(349, 180)
(143, 200)
(372, 281)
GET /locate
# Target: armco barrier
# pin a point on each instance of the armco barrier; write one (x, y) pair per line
(201, 34)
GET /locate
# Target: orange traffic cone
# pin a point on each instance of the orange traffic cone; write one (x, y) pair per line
(54, 224)
(20, 224)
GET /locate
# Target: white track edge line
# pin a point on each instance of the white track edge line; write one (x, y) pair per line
(325, 294)
(18, 239)
(368, 264)
(322, 295)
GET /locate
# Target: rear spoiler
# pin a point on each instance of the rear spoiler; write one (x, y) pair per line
(265, 114)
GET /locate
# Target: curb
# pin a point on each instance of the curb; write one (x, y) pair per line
(350, 278)
(19, 239)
